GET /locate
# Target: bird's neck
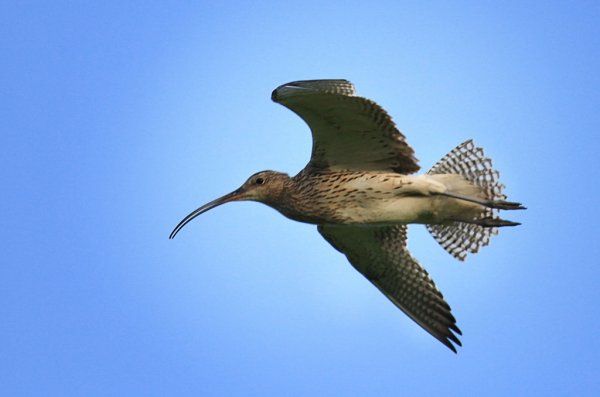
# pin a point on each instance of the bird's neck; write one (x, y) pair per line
(307, 197)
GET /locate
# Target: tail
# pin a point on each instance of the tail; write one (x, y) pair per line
(460, 238)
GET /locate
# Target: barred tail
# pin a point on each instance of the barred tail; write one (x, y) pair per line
(460, 238)
(469, 161)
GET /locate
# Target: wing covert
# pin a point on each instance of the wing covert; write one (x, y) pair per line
(379, 253)
(349, 132)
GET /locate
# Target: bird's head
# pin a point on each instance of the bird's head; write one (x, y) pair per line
(265, 187)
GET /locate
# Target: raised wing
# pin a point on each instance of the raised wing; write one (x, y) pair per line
(380, 254)
(349, 132)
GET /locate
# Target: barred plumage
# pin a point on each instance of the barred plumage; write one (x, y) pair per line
(349, 132)
(380, 254)
(469, 161)
(358, 189)
(460, 238)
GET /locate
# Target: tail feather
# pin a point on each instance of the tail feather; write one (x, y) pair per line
(459, 238)
(469, 161)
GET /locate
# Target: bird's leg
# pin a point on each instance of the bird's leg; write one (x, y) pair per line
(493, 222)
(498, 204)
(505, 205)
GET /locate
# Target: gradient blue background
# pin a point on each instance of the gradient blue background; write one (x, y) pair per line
(120, 118)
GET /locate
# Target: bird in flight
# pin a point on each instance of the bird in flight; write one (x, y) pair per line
(361, 191)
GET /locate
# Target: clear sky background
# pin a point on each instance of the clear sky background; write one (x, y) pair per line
(118, 118)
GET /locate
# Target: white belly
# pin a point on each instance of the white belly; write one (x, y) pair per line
(405, 199)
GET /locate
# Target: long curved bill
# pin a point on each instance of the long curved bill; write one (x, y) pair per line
(233, 196)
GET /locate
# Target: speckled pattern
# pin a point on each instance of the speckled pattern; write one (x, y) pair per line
(319, 196)
(359, 189)
(349, 132)
(380, 254)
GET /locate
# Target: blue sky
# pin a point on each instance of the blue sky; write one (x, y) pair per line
(119, 119)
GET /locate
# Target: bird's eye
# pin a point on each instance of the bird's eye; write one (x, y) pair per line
(259, 181)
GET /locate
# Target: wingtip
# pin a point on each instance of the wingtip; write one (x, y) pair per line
(449, 338)
(450, 346)
(335, 86)
(274, 95)
(454, 339)
(455, 328)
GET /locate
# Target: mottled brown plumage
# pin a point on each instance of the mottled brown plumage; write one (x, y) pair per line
(358, 189)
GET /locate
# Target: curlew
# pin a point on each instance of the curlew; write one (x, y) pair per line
(360, 189)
